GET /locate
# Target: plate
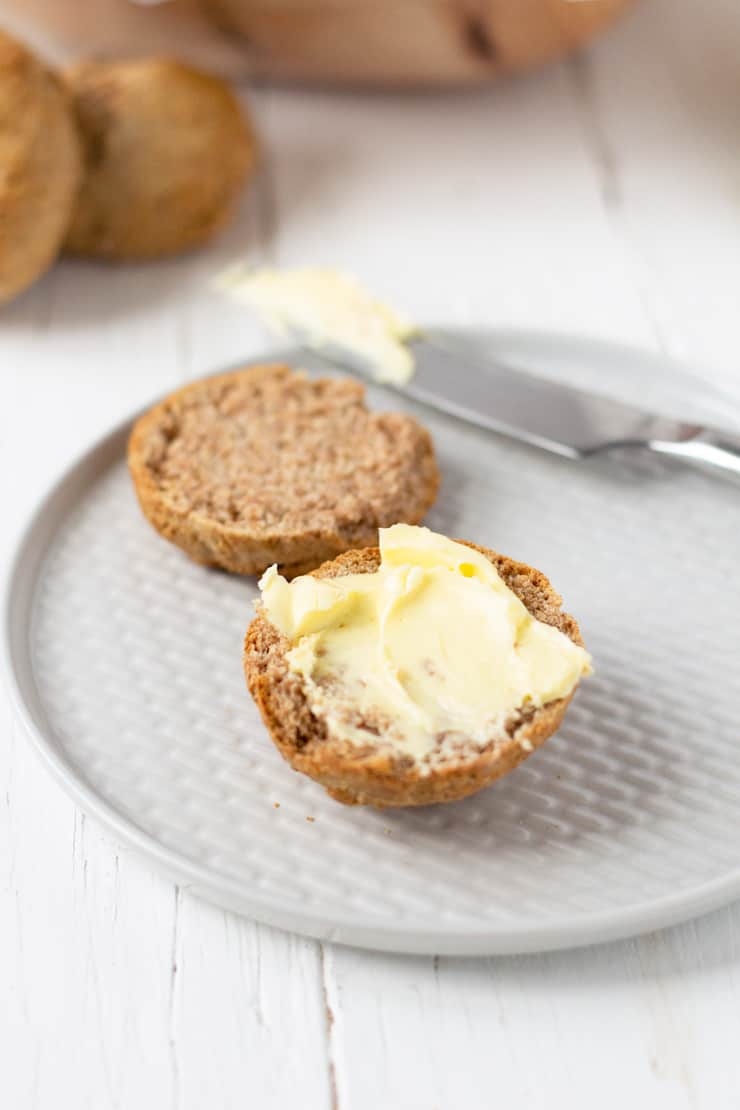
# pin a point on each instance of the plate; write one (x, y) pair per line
(125, 664)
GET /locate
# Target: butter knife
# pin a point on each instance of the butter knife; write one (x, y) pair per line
(556, 417)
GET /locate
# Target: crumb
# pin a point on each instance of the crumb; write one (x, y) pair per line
(387, 832)
(311, 819)
(276, 805)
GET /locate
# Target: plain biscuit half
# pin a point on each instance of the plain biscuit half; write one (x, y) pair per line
(375, 774)
(265, 465)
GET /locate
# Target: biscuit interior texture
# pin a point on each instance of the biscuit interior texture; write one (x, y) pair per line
(265, 465)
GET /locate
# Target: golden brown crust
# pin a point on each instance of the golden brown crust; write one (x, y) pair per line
(40, 167)
(167, 150)
(373, 776)
(263, 465)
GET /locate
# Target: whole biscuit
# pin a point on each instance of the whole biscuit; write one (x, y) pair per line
(40, 167)
(167, 150)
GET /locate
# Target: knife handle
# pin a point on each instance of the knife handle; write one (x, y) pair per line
(715, 451)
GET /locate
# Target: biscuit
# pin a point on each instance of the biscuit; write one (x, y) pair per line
(264, 465)
(40, 167)
(375, 774)
(167, 150)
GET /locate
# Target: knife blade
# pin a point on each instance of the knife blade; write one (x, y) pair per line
(551, 415)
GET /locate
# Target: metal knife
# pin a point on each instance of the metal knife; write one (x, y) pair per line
(556, 417)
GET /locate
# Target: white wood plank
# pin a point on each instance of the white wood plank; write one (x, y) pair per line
(478, 208)
(647, 1022)
(86, 933)
(109, 971)
(84, 952)
(248, 1026)
(661, 95)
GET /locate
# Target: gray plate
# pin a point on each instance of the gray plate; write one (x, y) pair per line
(125, 663)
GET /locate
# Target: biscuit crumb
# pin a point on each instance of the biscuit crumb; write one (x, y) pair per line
(311, 819)
(260, 466)
(276, 805)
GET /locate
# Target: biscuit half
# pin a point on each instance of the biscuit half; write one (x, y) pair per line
(375, 774)
(264, 465)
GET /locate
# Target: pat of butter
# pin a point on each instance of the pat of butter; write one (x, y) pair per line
(328, 307)
(431, 647)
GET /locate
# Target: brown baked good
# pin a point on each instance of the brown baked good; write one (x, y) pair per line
(376, 774)
(422, 43)
(264, 465)
(167, 150)
(40, 167)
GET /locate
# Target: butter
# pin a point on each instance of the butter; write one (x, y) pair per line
(328, 307)
(432, 647)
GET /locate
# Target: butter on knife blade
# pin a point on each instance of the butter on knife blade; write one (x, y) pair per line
(328, 307)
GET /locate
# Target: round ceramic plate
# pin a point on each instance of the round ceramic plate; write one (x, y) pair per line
(125, 660)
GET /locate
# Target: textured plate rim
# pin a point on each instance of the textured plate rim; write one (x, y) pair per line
(568, 932)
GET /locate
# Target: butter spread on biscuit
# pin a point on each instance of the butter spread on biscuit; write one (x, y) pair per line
(431, 648)
(328, 307)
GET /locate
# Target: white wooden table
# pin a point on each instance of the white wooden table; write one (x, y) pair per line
(600, 196)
